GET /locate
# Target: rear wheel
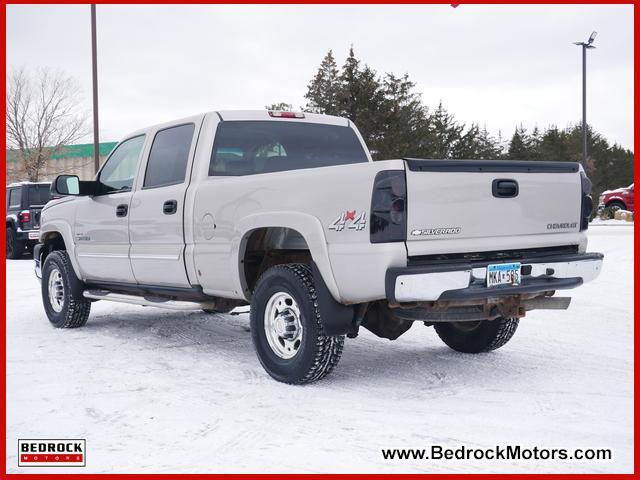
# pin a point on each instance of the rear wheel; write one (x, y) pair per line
(286, 327)
(62, 293)
(15, 247)
(478, 336)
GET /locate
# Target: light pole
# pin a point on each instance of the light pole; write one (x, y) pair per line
(585, 46)
(94, 69)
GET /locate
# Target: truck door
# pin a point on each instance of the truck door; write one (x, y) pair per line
(101, 228)
(157, 208)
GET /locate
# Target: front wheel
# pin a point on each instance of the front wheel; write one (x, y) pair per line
(615, 206)
(478, 336)
(62, 293)
(286, 327)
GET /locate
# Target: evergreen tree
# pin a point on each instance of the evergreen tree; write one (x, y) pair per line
(553, 145)
(535, 141)
(395, 123)
(490, 147)
(349, 97)
(444, 133)
(282, 106)
(520, 145)
(404, 119)
(323, 91)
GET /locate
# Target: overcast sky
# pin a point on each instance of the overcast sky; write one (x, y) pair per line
(497, 65)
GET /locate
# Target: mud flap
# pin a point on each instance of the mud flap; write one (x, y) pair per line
(383, 322)
(337, 319)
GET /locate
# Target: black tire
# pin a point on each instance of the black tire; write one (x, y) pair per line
(73, 307)
(317, 354)
(477, 337)
(615, 206)
(15, 247)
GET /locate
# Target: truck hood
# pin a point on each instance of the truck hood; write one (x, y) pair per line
(616, 190)
(58, 201)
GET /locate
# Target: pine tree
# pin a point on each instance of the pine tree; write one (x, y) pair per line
(520, 145)
(323, 91)
(282, 106)
(445, 132)
(404, 118)
(349, 96)
(535, 141)
(395, 123)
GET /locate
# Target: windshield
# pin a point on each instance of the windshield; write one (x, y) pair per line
(39, 194)
(251, 147)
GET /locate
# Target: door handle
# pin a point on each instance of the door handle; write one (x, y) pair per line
(504, 188)
(122, 210)
(170, 207)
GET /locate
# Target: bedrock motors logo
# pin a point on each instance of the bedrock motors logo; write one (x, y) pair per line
(52, 453)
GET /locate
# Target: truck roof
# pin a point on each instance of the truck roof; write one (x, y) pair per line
(248, 115)
(239, 115)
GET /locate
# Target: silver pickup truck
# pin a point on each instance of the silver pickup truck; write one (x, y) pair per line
(288, 213)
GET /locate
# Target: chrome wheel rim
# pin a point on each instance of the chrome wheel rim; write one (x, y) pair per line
(282, 325)
(56, 290)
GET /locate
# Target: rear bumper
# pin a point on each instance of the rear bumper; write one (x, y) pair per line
(466, 281)
(28, 235)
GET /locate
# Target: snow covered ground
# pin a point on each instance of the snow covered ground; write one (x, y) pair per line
(597, 222)
(159, 391)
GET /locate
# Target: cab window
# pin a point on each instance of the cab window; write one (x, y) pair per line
(169, 156)
(118, 173)
(253, 147)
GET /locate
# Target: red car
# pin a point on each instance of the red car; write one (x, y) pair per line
(618, 199)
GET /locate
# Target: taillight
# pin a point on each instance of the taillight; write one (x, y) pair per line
(389, 207)
(586, 205)
(279, 114)
(25, 216)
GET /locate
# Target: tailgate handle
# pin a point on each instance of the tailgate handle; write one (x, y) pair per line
(504, 188)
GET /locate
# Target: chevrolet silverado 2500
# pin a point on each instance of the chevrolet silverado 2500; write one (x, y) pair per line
(288, 213)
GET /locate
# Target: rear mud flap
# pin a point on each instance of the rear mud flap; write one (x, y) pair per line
(337, 319)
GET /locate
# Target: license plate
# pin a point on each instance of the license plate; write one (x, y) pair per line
(34, 235)
(503, 274)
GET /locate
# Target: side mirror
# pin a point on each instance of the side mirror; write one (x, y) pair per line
(65, 185)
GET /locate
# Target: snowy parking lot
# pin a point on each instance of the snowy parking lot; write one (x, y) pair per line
(160, 391)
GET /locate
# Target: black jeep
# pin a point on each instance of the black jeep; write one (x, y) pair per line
(24, 204)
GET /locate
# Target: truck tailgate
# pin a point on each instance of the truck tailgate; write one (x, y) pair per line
(458, 200)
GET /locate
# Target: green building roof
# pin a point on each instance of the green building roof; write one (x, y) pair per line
(75, 151)
(85, 150)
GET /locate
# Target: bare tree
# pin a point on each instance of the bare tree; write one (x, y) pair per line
(43, 115)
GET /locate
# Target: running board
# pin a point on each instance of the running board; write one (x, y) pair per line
(147, 301)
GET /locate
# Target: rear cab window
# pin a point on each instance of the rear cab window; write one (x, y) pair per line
(169, 156)
(253, 147)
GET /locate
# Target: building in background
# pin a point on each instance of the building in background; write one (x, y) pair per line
(74, 160)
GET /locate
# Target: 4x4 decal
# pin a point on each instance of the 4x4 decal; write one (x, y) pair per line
(351, 220)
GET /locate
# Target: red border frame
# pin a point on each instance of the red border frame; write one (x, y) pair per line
(636, 473)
